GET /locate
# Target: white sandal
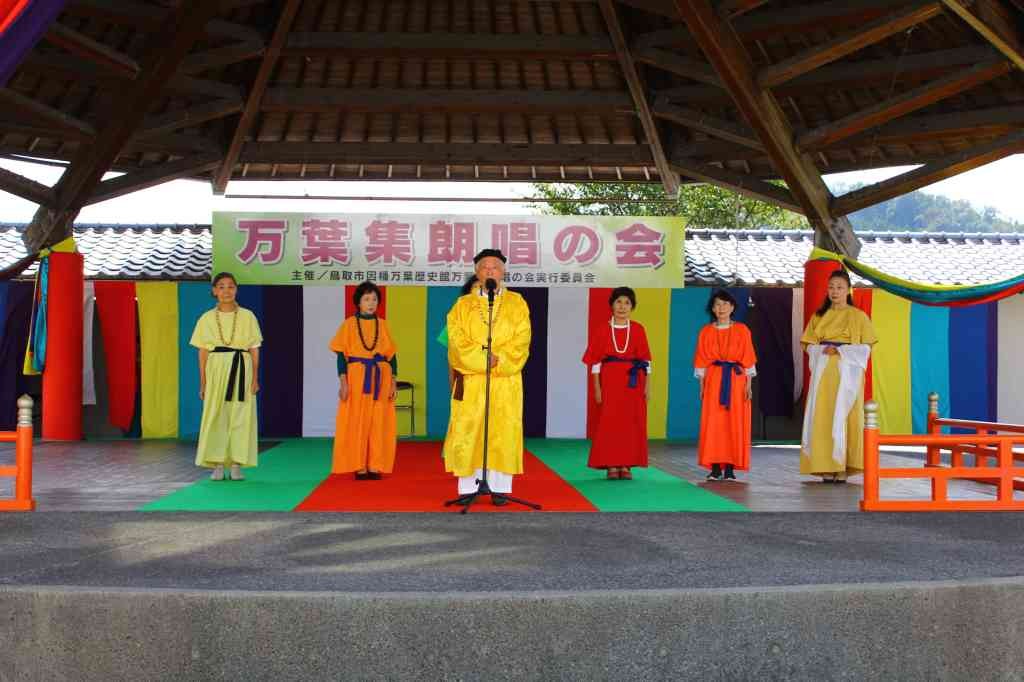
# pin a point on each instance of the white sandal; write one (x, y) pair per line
(218, 473)
(236, 473)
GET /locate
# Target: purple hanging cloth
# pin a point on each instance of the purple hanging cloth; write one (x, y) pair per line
(24, 24)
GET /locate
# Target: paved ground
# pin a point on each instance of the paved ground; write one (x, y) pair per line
(444, 553)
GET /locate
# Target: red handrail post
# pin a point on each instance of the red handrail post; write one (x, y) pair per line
(870, 500)
(22, 461)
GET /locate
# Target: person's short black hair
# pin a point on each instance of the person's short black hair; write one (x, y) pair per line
(223, 275)
(622, 291)
(720, 295)
(467, 286)
(362, 290)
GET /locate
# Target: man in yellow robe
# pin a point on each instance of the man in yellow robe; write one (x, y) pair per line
(467, 355)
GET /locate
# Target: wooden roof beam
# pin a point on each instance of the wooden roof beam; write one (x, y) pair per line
(727, 55)
(710, 125)
(730, 9)
(1003, 38)
(85, 47)
(153, 19)
(390, 44)
(255, 98)
(745, 185)
(946, 167)
(378, 100)
(186, 118)
(669, 179)
(187, 25)
(847, 43)
(44, 114)
(904, 103)
(678, 64)
(219, 57)
(23, 187)
(154, 175)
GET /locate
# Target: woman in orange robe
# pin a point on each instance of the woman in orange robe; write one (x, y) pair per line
(365, 434)
(724, 365)
(620, 360)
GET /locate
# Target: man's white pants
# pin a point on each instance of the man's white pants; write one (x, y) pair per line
(498, 481)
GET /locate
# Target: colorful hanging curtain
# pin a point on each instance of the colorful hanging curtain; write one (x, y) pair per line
(35, 357)
(116, 307)
(948, 295)
(22, 24)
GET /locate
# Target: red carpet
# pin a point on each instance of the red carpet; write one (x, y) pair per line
(420, 484)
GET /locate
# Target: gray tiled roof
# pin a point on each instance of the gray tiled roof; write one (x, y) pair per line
(713, 257)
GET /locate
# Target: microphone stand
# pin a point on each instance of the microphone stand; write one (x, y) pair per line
(483, 488)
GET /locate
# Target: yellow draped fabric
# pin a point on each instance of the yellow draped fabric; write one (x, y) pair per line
(849, 325)
(891, 362)
(407, 311)
(158, 332)
(654, 313)
(467, 335)
(227, 432)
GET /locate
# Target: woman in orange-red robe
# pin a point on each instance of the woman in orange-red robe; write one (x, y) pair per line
(724, 363)
(620, 360)
(365, 433)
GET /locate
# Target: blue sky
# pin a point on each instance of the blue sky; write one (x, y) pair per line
(183, 201)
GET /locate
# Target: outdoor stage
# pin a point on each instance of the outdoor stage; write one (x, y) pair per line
(294, 475)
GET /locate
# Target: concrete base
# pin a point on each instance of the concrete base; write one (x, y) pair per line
(918, 631)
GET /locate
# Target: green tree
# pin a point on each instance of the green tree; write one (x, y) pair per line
(703, 206)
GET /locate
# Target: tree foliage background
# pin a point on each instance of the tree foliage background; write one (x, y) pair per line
(709, 207)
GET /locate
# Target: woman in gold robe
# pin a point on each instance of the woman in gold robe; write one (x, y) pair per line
(228, 338)
(467, 339)
(838, 342)
(365, 433)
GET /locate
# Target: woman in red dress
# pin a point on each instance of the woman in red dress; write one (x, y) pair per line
(620, 361)
(724, 364)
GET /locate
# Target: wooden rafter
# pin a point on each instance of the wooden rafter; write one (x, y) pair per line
(669, 179)
(37, 113)
(154, 175)
(740, 183)
(1006, 44)
(436, 44)
(254, 100)
(76, 186)
(400, 100)
(26, 188)
(154, 19)
(943, 168)
(83, 46)
(168, 122)
(710, 125)
(730, 9)
(678, 64)
(218, 57)
(727, 55)
(846, 43)
(903, 103)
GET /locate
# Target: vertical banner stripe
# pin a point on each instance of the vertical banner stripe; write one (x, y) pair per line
(281, 362)
(1010, 391)
(251, 296)
(323, 311)
(968, 363)
(771, 326)
(654, 312)
(88, 370)
(535, 373)
(798, 351)
(862, 298)
(688, 316)
(929, 361)
(891, 362)
(193, 300)
(992, 355)
(742, 296)
(158, 327)
(408, 323)
(439, 301)
(598, 313)
(568, 377)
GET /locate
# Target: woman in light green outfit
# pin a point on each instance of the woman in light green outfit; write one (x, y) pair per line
(228, 338)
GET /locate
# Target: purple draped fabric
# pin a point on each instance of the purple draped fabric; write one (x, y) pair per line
(535, 373)
(13, 339)
(772, 328)
(22, 35)
(281, 362)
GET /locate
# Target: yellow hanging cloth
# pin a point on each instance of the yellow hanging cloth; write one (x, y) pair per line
(158, 329)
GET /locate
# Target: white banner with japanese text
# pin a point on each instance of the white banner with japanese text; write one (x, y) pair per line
(437, 250)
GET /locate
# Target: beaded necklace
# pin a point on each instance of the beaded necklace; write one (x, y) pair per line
(234, 325)
(376, 332)
(482, 307)
(615, 345)
(728, 340)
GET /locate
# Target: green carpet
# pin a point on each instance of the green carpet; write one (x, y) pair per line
(286, 474)
(651, 490)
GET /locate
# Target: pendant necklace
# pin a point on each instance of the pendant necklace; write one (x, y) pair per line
(234, 324)
(376, 332)
(615, 344)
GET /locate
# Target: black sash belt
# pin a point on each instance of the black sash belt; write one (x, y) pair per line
(237, 373)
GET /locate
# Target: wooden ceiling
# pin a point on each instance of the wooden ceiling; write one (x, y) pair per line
(731, 92)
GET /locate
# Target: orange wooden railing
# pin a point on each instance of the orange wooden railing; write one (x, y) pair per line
(984, 446)
(21, 472)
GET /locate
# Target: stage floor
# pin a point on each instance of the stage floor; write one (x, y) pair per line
(125, 475)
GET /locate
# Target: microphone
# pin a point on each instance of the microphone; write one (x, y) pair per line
(490, 285)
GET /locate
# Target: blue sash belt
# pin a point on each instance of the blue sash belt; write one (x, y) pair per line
(372, 375)
(634, 370)
(237, 374)
(725, 389)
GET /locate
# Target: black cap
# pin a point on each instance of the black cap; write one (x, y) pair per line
(490, 253)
